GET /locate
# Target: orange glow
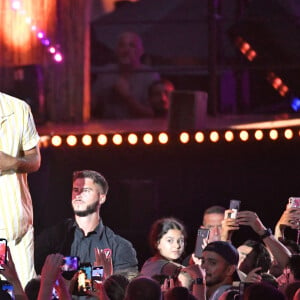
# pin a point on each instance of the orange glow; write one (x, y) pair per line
(72, 140)
(244, 135)
(229, 136)
(288, 133)
(87, 140)
(273, 134)
(251, 54)
(214, 136)
(277, 82)
(148, 138)
(199, 137)
(184, 137)
(102, 139)
(259, 135)
(245, 47)
(17, 27)
(56, 141)
(163, 138)
(117, 139)
(132, 138)
(283, 89)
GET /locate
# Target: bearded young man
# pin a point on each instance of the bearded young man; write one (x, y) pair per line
(86, 235)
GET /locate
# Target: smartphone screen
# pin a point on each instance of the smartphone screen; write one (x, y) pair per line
(294, 202)
(202, 235)
(71, 263)
(84, 282)
(97, 274)
(8, 288)
(3, 253)
(234, 205)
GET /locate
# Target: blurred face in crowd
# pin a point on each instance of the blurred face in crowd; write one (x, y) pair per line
(86, 197)
(129, 49)
(213, 222)
(217, 269)
(171, 245)
(160, 96)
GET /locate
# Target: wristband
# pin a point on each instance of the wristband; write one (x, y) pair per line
(268, 232)
(198, 281)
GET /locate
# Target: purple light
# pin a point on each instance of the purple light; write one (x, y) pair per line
(58, 57)
(45, 42)
(40, 35)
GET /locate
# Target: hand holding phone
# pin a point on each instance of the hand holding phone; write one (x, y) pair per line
(84, 280)
(234, 206)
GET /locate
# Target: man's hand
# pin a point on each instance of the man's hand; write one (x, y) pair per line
(103, 260)
(251, 219)
(7, 162)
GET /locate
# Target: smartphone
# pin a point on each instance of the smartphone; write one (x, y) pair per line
(234, 205)
(8, 288)
(3, 253)
(84, 281)
(202, 235)
(70, 263)
(294, 202)
(97, 274)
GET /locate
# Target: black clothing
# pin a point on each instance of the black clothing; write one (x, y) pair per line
(68, 239)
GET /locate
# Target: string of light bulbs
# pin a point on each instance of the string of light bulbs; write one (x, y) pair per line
(53, 49)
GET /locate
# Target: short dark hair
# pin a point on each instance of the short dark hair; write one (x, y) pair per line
(160, 227)
(215, 209)
(95, 176)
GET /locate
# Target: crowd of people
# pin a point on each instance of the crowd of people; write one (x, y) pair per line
(267, 267)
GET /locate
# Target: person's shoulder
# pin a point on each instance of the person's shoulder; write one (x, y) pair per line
(12, 102)
(116, 238)
(58, 228)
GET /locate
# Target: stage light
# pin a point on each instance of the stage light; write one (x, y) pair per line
(117, 139)
(102, 139)
(148, 138)
(71, 140)
(273, 134)
(132, 138)
(288, 133)
(16, 4)
(244, 135)
(56, 140)
(295, 104)
(52, 50)
(184, 137)
(214, 136)
(86, 140)
(259, 135)
(58, 57)
(199, 137)
(163, 138)
(229, 136)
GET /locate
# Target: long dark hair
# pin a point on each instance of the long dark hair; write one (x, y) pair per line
(161, 227)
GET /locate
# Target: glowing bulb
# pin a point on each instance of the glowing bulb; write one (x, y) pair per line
(214, 136)
(71, 140)
(87, 140)
(184, 137)
(58, 57)
(258, 135)
(132, 138)
(117, 139)
(102, 139)
(163, 138)
(52, 50)
(40, 35)
(244, 135)
(148, 138)
(288, 133)
(16, 5)
(56, 140)
(199, 137)
(229, 136)
(273, 134)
